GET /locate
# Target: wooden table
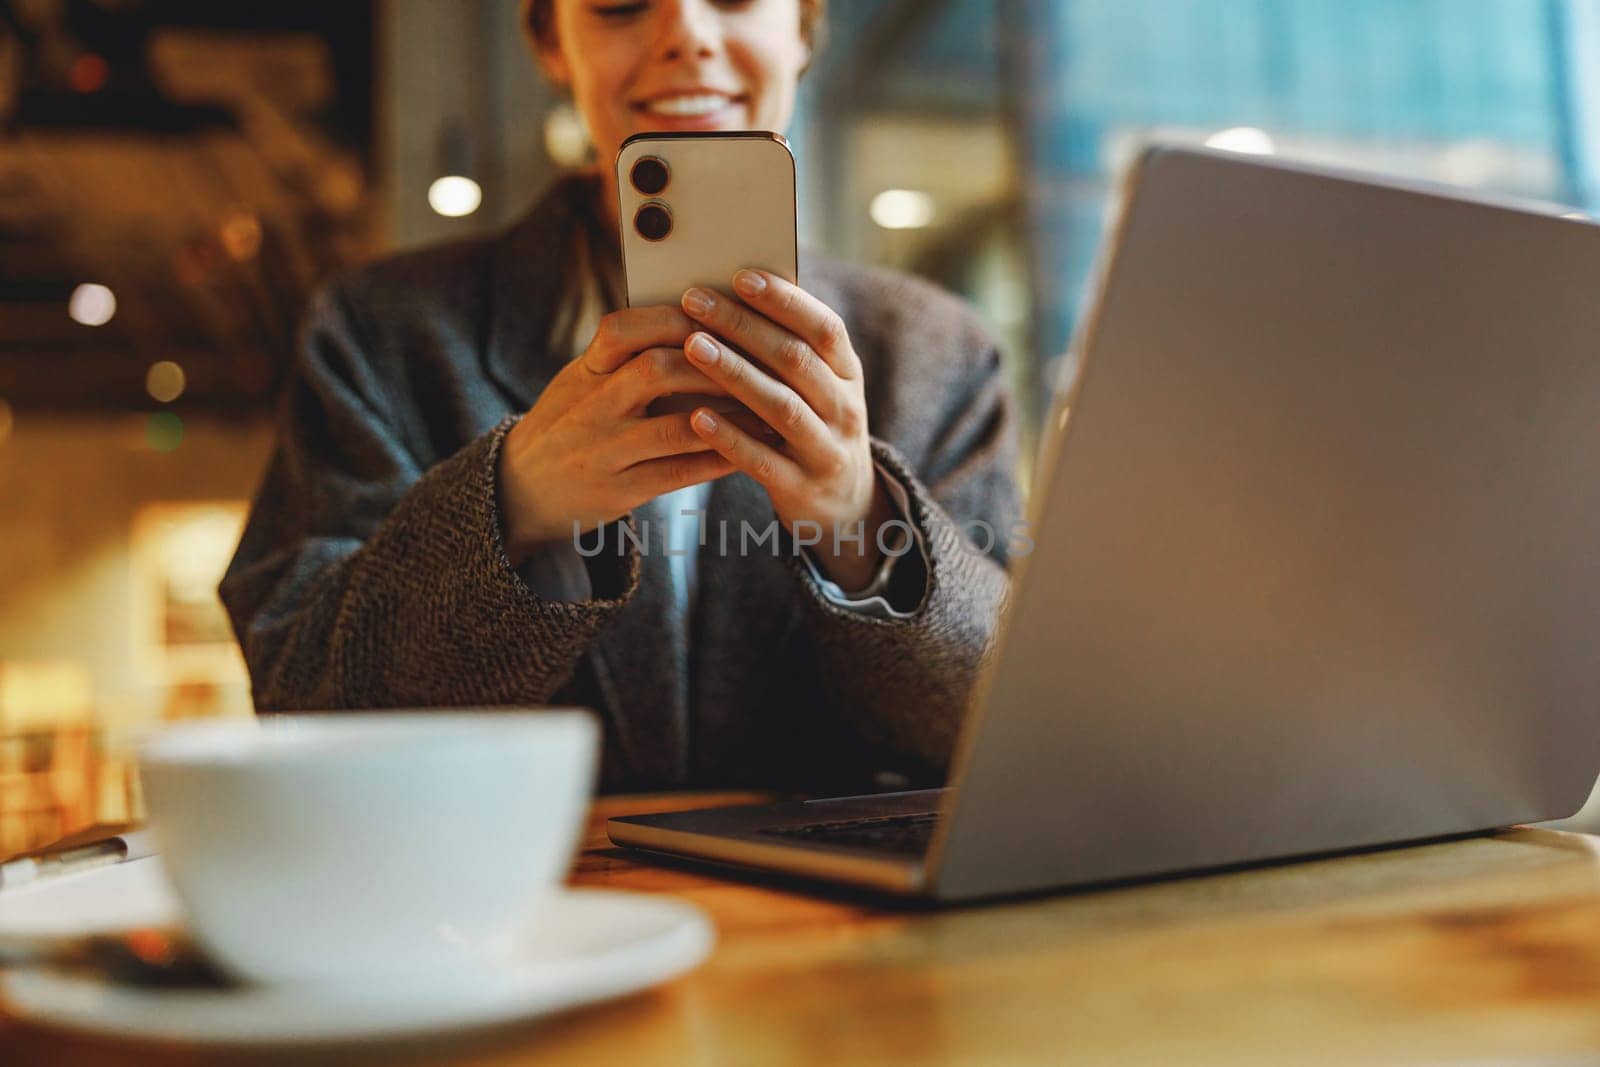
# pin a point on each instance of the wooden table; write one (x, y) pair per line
(1484, 950)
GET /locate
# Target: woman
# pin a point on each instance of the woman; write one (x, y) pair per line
(458, 413)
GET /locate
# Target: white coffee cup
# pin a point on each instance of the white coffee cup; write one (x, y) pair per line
(374, 845)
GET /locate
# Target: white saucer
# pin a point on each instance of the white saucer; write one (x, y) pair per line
(592, 945)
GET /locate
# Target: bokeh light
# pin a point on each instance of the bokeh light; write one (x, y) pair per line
(165, 381)
(454, 196)
(163, 431)
(88, 73)
(92, 305)
(902, 209)
(240, 234)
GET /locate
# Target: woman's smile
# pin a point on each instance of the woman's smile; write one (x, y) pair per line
(673, 66)
(695, 108)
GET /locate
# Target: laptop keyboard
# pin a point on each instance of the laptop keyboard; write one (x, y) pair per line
(901, 834)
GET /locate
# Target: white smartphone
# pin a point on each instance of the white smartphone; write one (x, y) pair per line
(694, 209)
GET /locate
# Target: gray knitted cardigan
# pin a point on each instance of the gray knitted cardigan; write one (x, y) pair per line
(372, 574)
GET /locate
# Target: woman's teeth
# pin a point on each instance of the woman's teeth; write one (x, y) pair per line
(688, 106)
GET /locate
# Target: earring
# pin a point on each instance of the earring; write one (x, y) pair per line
(566, 136)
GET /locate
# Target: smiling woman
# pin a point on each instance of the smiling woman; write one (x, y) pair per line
(472, 483)
(740, 61)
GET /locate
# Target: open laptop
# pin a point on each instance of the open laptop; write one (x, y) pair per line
(1317, 559)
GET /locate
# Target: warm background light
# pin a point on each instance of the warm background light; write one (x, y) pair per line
(454, 196)
(902, 209)
(92, 305)
(165, 381)
(241, 236)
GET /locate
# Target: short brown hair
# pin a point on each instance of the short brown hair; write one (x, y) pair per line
(813, 22)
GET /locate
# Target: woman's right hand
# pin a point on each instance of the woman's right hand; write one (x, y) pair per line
(587, 453)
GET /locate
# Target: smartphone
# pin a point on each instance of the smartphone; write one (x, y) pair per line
(695, 208)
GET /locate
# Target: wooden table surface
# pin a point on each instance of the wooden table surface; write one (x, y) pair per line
(1477, 951)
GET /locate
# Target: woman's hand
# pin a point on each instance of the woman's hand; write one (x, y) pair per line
(822, 470)
(587, 452)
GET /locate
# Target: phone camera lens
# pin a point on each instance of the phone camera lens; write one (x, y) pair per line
(649, 175)
(653, 222)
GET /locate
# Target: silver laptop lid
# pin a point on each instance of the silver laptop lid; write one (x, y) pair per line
(1318, 553)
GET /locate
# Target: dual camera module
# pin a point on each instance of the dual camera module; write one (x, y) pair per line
(653, 220)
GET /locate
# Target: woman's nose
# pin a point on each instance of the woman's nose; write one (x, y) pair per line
(688, 28)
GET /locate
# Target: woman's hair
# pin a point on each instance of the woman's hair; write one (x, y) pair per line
(541, 21)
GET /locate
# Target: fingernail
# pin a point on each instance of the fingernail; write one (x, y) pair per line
(697, 301)
(701, 349)
(749, 283)
(704, 422)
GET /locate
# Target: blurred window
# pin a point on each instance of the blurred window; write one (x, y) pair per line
(1007, 122)
(1487, 94)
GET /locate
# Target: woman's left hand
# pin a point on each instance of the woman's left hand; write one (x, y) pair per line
(822, 470)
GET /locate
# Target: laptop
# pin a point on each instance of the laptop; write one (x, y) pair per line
(1316, 563)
